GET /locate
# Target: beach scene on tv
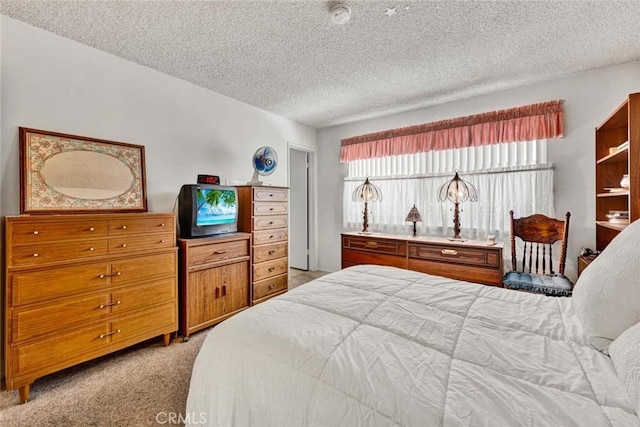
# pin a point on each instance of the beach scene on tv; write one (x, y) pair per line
(216, 207)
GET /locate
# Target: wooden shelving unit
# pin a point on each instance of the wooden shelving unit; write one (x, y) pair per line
(623, 125)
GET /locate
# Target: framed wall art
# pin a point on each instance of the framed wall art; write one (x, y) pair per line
(62, 173)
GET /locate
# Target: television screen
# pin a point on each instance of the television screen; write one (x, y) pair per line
(215, 207)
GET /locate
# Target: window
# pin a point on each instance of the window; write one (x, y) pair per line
(502, 153)
(508, 176)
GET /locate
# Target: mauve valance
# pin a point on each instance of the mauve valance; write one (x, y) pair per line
(536, 121)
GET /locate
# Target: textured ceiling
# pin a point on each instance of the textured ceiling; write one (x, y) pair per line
(287, 57)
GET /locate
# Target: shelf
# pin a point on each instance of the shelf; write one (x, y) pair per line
(619, 156)
(612, 225)
(613, 194)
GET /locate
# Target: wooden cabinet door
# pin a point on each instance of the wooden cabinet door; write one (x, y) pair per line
(235, 279)
(217, 291)
(204, 296)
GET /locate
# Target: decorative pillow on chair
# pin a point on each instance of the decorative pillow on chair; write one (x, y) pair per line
(607, 294)
(548, 284)
(625, 355)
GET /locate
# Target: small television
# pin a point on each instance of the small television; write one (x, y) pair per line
(207, 210)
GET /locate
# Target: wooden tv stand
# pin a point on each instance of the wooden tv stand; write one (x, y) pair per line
(214, 280)
(471, 260)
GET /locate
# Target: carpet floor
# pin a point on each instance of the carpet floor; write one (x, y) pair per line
(134, 387)
(145, 385)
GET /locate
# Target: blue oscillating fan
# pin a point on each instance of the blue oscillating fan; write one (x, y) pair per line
(265, 162)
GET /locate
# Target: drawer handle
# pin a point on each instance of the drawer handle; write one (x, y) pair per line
(271, 237)
(270, 222)
(224, 290)
(36, 255)
(109, 305)
(124, 245)
(92, 229)
(221, 252)
(162, 225)
(92, 249)
(449, 252)
(36, 232)
(124, 227)
(371, 244)
(270, 195)
(102, 276)
(272, 286)
(272, 251)
(109, 333)
(162, 241)
(270, 209)
(271, 269)
(217, 293)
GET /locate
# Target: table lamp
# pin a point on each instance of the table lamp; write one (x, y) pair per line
(457, 191)
(366, 192)
(414, 216)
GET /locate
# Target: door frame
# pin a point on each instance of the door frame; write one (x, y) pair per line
(312, 217)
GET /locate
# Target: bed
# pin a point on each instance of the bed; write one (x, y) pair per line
(378, 346)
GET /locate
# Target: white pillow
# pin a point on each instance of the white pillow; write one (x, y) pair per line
(607, 294)
(625, 355)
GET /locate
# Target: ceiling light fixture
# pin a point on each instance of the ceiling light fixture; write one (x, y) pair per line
(340, 14)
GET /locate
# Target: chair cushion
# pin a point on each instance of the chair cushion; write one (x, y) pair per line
(548, 284)
(607, 294)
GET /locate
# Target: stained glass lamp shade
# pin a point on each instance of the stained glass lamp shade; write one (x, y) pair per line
(457, 191)
(366, 192)
(414, 216)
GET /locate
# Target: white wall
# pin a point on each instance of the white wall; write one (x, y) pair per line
(52, 83)
(589, 98)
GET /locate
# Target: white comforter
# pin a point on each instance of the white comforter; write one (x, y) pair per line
(379, 346)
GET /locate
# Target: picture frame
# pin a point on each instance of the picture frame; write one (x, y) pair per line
(62, 173)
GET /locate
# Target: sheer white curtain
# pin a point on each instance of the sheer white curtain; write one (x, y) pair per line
(513, 176)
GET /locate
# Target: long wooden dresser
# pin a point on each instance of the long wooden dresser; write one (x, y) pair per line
(471, 260)
(263, 212)
(80, 286)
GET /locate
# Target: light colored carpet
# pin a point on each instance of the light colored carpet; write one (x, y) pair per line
(140, 386)
(129, 388)
(298, 277)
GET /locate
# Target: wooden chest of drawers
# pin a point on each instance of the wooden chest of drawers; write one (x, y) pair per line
(214, 280)
(81, 286)
(471, 261)
(263, 212)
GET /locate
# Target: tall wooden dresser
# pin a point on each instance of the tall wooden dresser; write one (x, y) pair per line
(84, 285)
(263, 212)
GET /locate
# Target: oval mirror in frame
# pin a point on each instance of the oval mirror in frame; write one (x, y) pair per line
(63, 173)
(87, 175)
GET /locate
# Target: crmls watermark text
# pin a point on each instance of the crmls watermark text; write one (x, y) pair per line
(180, 418)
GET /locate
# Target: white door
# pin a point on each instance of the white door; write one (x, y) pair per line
(299, 209)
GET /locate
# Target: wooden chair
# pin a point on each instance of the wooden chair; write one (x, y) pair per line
(539, 233)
